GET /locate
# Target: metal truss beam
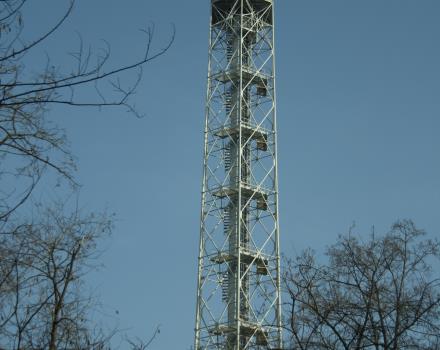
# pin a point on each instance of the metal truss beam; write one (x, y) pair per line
(238, 292)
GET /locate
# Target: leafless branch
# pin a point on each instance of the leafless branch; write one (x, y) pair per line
(376, 294)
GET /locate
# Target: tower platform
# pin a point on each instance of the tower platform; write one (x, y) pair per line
(247, 329)
(247, 192)
(222, 8)
(246, 257)
(248, 132)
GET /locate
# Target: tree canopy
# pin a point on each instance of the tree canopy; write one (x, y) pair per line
(381, 293)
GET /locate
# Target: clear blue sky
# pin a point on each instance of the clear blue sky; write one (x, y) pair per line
(359, 123)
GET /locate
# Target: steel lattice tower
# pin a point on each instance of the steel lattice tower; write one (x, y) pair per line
(238, 295)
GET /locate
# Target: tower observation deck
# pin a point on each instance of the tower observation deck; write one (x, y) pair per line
(238, 292)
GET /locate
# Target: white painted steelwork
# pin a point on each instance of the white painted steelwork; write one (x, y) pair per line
(238, 292)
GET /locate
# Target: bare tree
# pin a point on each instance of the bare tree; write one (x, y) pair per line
(42, 300)
(375, 294)
(139, 344)
(44, 303)
(43, 259)
(29, 142)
